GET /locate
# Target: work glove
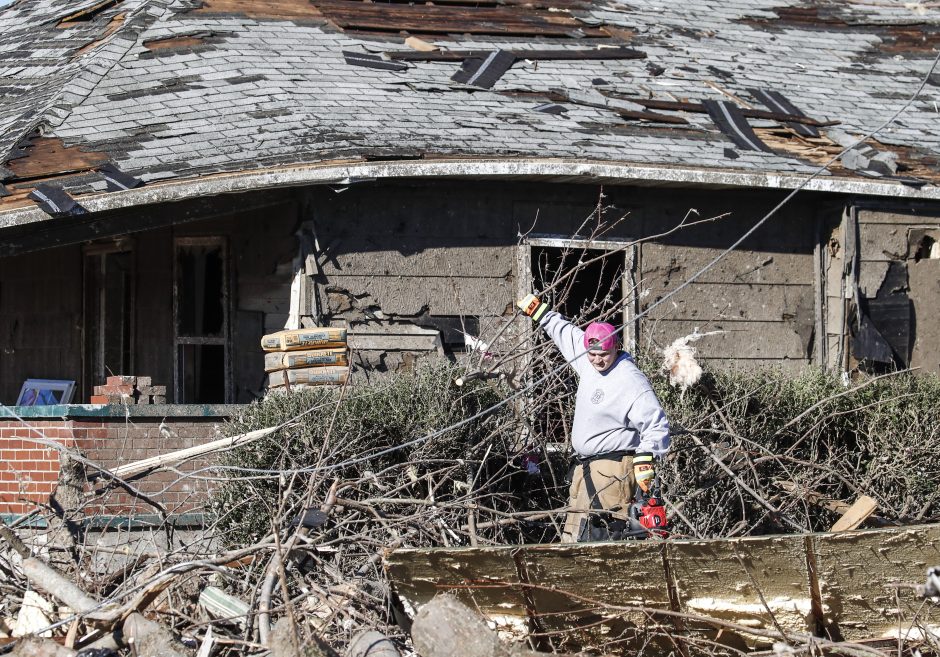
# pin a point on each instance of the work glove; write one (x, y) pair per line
(644, 471)
(532, 307)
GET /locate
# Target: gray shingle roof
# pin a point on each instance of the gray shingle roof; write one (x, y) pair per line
(258, 92)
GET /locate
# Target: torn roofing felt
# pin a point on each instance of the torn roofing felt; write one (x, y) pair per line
(183, 89)
(484, 72)
(116, 179)
(372, 61)
(732, 122)
(56, 202)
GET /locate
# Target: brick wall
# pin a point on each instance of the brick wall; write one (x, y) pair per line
(29, 471)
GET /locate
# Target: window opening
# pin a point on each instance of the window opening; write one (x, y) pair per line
(109, 313)
(201, 319)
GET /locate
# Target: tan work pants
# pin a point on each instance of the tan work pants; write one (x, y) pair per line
(615, 485)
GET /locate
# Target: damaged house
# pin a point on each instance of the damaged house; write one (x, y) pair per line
(180, 177)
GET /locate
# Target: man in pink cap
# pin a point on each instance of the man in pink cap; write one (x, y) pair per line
(619, 426)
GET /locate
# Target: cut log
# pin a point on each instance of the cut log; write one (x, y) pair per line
(370, 643)
(856, 514)
(445, 623)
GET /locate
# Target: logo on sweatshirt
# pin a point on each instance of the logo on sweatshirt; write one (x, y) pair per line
(597, 397)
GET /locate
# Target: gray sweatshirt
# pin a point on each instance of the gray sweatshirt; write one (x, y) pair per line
(614, 410)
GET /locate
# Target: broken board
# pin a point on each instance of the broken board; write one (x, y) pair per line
(598, 596)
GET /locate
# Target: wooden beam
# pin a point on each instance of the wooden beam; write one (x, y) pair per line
(153, 462)
(856, 514)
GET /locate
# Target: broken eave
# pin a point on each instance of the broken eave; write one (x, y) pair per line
(529, 169)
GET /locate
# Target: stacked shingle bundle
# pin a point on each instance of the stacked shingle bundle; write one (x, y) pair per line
(313, 356)
(125, 389)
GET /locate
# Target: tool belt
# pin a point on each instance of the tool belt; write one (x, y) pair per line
(606, 456)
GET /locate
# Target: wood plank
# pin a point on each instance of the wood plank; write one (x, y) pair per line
(788, 366)
(394, 337)
(190, 41)
(470, 261)
(924, 280)
(87, 13)
(728, 579)
(750, 267)
(48, 156)
(277, 9)
(723, 301)
(915, 218)
(425, 19)
(746, 340)
(858, 574)
(856, 514)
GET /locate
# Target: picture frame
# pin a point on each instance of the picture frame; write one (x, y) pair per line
(45, 392)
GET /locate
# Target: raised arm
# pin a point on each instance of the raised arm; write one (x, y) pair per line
(567, 337)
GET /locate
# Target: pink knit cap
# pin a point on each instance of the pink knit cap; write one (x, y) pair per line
(600, 336)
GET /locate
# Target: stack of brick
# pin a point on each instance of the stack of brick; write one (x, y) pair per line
(128, 390)
(314, 356)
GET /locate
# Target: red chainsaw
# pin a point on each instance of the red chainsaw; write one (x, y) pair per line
(648, 514)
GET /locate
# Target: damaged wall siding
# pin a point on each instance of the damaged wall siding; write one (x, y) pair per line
(410, 267)
(424, 255)
(438, 257)
(899, 280)
(761, 296)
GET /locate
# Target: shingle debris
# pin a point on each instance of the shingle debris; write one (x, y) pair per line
(372, 61)
(484, 72)
(730, 121)
(117, 180)
(56, 201)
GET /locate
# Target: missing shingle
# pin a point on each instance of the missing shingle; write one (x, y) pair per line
(721, 73)
(731, 154)
(185, 41)
(87, 14)
(551, 108)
